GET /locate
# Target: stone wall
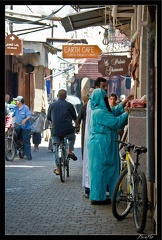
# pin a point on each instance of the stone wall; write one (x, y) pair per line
(137, 132)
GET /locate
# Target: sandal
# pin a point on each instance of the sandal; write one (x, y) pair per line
(72, 156)
(56, 172)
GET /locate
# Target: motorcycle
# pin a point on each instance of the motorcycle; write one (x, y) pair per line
(13, 144)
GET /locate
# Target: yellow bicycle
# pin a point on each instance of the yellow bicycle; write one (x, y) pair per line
(131, 188)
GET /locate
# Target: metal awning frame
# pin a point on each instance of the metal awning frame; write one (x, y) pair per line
(96, 17)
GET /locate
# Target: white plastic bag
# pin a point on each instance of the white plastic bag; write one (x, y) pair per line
(38, 124)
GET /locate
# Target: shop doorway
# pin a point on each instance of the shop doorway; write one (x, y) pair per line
(29, 90)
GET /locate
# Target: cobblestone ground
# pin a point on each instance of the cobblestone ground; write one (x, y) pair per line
(37, 203)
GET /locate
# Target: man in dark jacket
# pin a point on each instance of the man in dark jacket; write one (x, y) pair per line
(61, 113)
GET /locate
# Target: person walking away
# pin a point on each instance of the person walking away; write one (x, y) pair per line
(48, 126)
(36, 138)
(61, 113)
(37, 128)
(103, 152)
(22, 115)
(82, 120)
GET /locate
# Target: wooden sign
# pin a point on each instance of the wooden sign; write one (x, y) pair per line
(113, 65)
(80, 51)
(13, 45)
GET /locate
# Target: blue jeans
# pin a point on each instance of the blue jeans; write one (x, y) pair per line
(26, 135)
(55, 140)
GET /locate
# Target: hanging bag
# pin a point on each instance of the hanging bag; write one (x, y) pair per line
(38, 123)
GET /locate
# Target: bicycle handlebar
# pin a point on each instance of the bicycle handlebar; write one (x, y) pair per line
(77, 129)
(17, 124)
(125, 143)
(130, 146)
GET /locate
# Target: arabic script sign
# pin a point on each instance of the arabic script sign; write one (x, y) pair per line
(113, 65)
(13, 45)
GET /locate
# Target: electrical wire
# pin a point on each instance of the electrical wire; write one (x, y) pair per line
(29, 9)
(37, 21)
(26, 21)
(21, 30)
(44, 28)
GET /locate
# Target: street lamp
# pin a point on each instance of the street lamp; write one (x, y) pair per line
(109, 33)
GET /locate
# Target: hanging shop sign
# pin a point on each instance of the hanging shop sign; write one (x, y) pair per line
(13, 45)
(80, 51)
(113, 65)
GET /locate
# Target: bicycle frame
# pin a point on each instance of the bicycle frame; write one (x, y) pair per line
(13, 147)
(63, 144)
(131, 188)
(10, 145)
(10, 134)
(62, 148)
(130, 166)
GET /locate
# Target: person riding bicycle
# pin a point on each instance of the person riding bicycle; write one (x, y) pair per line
(61, 113)
(8, 118)
(22, 115)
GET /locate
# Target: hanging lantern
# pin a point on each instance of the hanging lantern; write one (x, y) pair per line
(105, 39)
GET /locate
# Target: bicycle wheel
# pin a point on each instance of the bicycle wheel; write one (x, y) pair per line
(67, 158)
(121, 199)
(140, 202)
(67, 167)
(10, 149)
(62, 166)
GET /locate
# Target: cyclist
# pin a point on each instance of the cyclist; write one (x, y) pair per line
(61, 113)
(22, 115)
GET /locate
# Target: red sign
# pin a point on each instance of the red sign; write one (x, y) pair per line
(80, 51)
(13, 45)
(113, 65)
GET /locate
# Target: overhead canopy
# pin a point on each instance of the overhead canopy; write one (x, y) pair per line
(29, 50)
(96, 17)
(78, 7)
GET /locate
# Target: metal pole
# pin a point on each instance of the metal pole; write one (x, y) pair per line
(151, 101)
(11, 24)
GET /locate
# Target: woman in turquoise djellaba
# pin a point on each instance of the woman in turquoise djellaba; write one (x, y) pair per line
(103, 151)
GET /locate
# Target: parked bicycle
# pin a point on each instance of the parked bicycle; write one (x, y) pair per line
(131, 188)
(13, 144)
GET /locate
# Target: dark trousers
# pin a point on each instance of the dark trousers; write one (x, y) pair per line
(26, 135)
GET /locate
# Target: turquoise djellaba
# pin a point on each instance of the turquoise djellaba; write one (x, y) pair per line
(103, 151)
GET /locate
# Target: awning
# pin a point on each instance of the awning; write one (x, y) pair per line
(96, 17)
(83, 19)
(66, 40)
(38, 48)
(28, 50)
